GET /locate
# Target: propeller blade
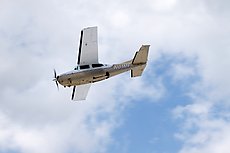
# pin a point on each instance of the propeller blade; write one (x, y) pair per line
(56, 79)
(57, 85)
(55, 74)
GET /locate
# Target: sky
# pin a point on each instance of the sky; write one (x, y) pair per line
(179, 105)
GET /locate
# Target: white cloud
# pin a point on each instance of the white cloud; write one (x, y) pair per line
(138, 88)
(159, 5)
(212, 134)
(42, 119)
(36, 36)
(119, 19)
(181, 71)
(200, 28)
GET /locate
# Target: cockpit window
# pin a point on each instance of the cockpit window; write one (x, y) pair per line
(84, 67)
(97, 65)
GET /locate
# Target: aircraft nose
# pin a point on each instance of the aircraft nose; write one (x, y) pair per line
(58, 78)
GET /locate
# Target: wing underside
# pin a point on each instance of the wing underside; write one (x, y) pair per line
(80, 92)
(88, 48)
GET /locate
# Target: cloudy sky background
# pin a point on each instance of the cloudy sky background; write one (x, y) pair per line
(180, 104)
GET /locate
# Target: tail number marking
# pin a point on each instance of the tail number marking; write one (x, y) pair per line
(121, 66)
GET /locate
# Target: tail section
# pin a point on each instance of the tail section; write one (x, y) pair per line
(142, 55)
(140, 58)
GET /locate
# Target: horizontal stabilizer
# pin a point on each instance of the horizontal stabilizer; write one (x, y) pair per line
(137, 71)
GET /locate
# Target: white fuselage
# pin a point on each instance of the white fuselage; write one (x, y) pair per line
(89, 74)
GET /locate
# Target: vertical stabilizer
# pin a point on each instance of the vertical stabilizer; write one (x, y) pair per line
(140, 58)
(142, 55)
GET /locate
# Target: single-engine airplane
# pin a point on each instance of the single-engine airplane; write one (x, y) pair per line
(89, 70)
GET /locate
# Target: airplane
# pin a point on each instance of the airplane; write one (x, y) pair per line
(88, 70)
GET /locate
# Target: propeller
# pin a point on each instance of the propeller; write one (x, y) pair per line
(56, 78)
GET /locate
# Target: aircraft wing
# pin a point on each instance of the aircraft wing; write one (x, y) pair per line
(80, 92)
(88, 48)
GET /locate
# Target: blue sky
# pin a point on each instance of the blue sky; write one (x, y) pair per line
(148, 124)
(179, 105)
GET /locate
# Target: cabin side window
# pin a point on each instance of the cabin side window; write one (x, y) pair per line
(97, 65)
(82, 67)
